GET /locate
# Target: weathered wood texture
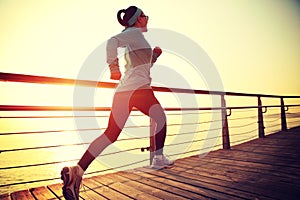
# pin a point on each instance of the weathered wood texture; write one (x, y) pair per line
(265, 169)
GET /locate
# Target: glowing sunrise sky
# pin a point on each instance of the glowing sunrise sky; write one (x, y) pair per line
(254, 44)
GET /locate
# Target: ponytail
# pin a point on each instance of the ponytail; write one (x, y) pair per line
(121, 21)
(130, 16)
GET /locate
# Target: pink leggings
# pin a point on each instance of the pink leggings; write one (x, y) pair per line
(123, 102)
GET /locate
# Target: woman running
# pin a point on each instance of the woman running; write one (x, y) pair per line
(134, 90)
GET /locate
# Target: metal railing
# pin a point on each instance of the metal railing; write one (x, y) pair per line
(224, 110)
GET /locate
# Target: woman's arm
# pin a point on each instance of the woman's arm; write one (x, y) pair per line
(112, 58)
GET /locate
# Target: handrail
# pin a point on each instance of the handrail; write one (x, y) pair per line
(22, 78)
(66, 108)
(11, 77)
(69, 108)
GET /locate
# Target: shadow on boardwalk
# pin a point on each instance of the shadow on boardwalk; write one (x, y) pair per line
(267, 168)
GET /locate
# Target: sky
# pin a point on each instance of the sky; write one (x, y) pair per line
(253, 44)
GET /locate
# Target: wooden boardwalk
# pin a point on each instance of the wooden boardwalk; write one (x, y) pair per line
(267, 168)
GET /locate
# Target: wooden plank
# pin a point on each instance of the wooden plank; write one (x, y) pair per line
(89, 193)
(257, 162)
(106, 191)
(24, 194)
(280, 152)
(269, 142)
(187, 189)
(218, 185)
(285, 190)
(224, 171)
(265, 149)
(214, 176)
(103, 191)
(157, 192)
(267, 157)
(42, 193)
(110, 181)
(189, 185)
(85, 193)
(56, 189)
(242, 164)
(240, 156)
(245, 167)
(231, 182)
(285, 155)
(253, 164)
(274, 144)
(160, 184)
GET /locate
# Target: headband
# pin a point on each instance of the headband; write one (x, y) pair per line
(133, 19)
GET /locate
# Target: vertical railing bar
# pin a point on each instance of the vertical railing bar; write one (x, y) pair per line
(283, 116)
(261, 127)
(225, 130)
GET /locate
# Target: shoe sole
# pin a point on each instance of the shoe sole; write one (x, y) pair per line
(162, 167)
(65, 177)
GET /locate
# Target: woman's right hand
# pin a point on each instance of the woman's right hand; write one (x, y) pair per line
(115, 75)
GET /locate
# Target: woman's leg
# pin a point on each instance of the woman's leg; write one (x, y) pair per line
(117, 119)
(72, 176)
(146, 102)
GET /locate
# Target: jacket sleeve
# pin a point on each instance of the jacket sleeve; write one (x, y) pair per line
(112, 51)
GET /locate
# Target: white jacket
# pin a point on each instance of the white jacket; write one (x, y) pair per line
(138, 55)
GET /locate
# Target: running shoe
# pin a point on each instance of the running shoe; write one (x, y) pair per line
(71, 180)
(160, 162)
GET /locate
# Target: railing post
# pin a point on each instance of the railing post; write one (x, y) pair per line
(261, 127)
(152, 139)
(283, 117)
(225, 131)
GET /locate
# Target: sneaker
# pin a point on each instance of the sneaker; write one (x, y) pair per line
(71, 180)
(160, 162)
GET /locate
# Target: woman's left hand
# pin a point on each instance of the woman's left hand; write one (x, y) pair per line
(156, 53)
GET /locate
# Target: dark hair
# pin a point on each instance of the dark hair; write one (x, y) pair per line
(128, 13)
